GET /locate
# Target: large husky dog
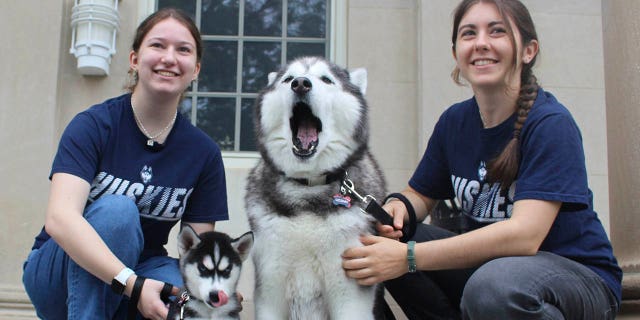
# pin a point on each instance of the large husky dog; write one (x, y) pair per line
(210, 264)
(312, 131)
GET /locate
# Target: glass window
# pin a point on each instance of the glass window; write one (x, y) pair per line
(244, 40)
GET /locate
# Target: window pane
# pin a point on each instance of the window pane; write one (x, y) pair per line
(296, 50)
(263, 18)
(188, 6)
(216, 117)
(218, 71)
(247, 134)
(220, 17)
(259, 58)
(307, 18)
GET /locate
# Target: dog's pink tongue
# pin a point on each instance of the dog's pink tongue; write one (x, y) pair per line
(307, 134)
(222, 299)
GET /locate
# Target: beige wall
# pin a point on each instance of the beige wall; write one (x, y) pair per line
(382, 37)
(623, 117)
(622, 74)
(404, 44)
(29, 59)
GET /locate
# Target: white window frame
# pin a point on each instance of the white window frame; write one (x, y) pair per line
(337, 54)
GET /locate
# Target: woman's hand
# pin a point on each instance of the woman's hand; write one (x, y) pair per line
(240, 300)
(149, 304)
(378, 260)
(397, 211)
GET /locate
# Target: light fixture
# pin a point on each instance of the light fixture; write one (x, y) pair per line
(94, 25)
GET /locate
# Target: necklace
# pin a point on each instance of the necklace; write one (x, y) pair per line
(150, 138)
(484, 122)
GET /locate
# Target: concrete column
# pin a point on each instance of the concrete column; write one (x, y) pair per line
(621, 32)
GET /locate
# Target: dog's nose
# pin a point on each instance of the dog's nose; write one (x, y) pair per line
(213, 296)
(301, 85)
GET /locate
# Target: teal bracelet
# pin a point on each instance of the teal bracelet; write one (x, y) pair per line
(411, 256)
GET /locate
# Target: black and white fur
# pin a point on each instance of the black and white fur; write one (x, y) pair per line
(210, 264)
(312, 128)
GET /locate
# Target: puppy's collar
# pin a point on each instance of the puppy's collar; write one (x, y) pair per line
(320, 180)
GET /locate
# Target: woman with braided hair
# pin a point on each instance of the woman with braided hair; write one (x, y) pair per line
(512, 157)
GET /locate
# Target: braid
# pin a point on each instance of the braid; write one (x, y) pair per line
(504, 168)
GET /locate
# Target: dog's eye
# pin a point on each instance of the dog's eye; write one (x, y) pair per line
(326, 80)
(228, 269)
(226, 272)
(202, 268)
(287, 79)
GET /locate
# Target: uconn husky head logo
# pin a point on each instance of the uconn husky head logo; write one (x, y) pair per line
(482, 171)
(146, 174)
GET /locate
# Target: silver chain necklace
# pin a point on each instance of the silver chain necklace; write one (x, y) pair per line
(150, 138)
(484, 122)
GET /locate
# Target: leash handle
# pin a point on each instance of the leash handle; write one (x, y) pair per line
(408, 230)
(165, 294)
(135, 296)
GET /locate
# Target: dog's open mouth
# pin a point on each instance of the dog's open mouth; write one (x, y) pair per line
(305, 128)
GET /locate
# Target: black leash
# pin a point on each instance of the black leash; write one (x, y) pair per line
(408, 231)
(373, 208)
(135, 297)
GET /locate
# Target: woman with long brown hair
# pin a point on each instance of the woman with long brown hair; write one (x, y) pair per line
(512, 157)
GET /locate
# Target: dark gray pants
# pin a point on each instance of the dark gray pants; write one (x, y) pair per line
(544, 286)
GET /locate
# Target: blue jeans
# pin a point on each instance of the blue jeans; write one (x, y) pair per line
(61, 289)
(544, 286)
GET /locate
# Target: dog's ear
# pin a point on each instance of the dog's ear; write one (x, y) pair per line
(243, 244)
(272, 77)
(359, 78)
(187, 239)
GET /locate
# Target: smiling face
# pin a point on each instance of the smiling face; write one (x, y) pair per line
(166, 61)
(484, 48)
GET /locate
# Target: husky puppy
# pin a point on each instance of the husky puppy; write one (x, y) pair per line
(210, 264)
(312, 132)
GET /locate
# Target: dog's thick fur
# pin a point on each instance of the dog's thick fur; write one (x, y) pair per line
(312, 129)
(210, 264)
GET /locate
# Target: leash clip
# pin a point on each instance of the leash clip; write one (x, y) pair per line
(184, 298)
(348, 187)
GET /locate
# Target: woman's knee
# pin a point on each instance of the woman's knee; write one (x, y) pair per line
(112, 211)
(493, 289)
(116, 219)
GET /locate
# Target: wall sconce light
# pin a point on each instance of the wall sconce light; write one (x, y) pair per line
(94, 25)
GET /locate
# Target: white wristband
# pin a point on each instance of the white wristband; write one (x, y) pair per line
(124, 275)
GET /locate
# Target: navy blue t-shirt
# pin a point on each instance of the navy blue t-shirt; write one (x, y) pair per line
(552, 167)
(183, 179)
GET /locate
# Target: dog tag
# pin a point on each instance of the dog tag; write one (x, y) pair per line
(341, 200)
